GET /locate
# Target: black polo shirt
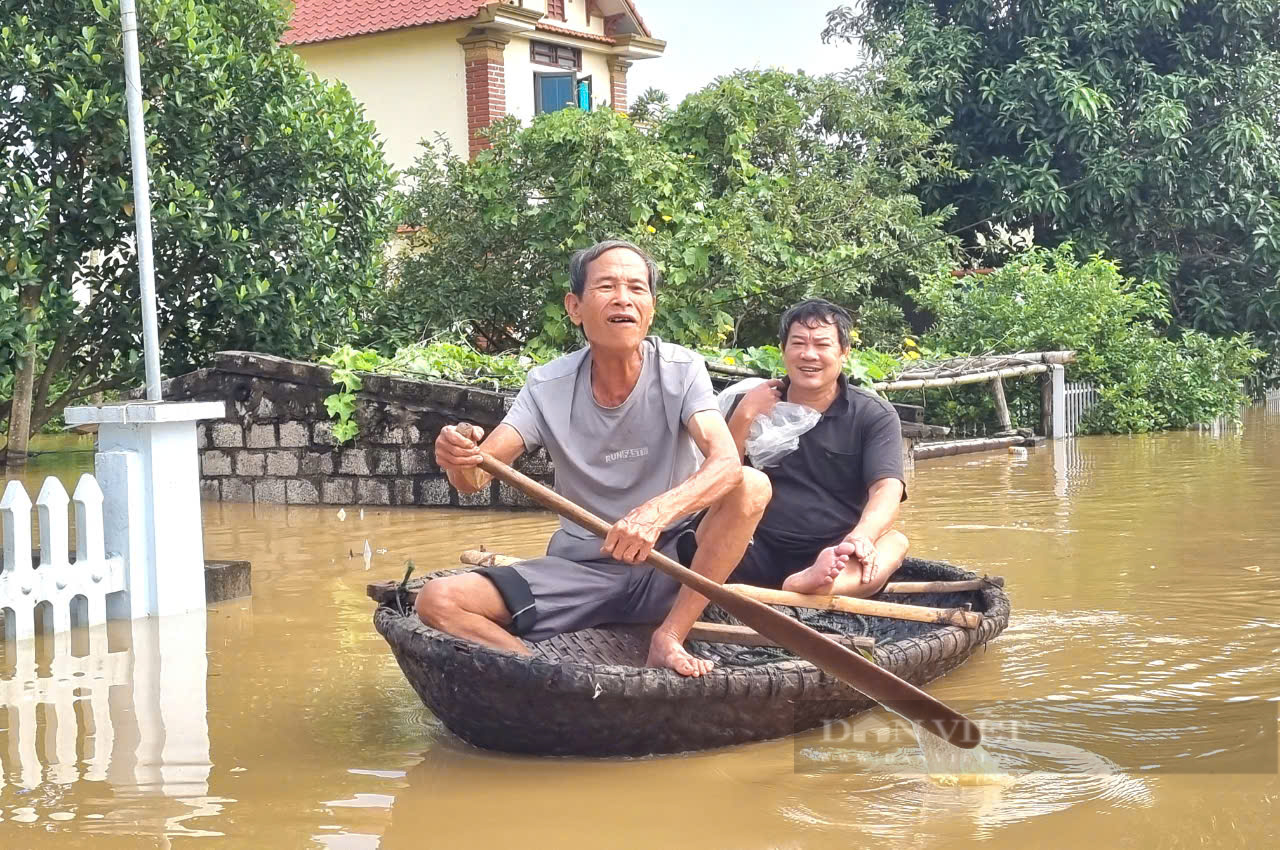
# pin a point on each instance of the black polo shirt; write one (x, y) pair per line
(820, 489)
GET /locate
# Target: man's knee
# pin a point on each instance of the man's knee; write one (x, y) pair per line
(756, 490)
(895, 538)
(439, 601)
(894, 543)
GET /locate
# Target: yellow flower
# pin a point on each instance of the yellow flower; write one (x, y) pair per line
(908, 342)
(729, 360)
(913, 355)
(666, 218)
(651, 229)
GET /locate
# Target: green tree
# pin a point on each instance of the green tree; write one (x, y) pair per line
(1143, 129)
(1045, 300)
(761, 189)
(269, 193)
(652, 106)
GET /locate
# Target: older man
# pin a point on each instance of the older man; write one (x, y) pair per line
(829, 528)
(620, 419)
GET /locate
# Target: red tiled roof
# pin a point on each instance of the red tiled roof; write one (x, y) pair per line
(322, 20)
(590, 36)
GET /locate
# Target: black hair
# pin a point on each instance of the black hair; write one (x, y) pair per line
(581, 259)
(814, 312)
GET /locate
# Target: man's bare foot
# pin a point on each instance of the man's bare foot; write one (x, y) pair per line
(666, 651)
(820, 577)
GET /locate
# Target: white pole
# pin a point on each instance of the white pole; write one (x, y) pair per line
(141, 197)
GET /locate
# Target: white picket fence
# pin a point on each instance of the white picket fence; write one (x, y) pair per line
(62, 591)
(1079, 398)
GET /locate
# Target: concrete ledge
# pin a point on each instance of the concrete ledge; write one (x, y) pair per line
(139, 412)
(225, 580)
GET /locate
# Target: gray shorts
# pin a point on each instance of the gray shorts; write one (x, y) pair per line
(574, 588)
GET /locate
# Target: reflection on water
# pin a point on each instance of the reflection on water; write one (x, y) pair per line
(1145, 576)
(121, 704)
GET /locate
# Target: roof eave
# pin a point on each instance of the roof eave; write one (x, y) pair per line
(638, 47)
(500, 16)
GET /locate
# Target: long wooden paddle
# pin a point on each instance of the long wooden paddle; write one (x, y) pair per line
(849, 667)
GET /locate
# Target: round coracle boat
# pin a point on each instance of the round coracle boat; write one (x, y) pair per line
(586, 693)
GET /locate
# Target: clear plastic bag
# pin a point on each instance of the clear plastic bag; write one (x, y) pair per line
(771, 436)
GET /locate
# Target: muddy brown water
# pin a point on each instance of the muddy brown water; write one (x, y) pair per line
(1132, 701)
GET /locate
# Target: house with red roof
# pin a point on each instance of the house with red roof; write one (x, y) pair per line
(453, 67)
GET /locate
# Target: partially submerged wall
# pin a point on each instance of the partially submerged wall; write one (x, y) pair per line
(277, 446)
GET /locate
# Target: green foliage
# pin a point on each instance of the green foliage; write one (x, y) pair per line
(652, 106)
(267, 188)
(762, 189)
(1047, 300)
(881, 323)
(439, 360)
(1145, 131)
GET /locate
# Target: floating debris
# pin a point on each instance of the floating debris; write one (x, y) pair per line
(1254, 568)
(342, 514)
(368, 555)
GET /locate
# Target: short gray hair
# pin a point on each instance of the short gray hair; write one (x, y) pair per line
(581, 259)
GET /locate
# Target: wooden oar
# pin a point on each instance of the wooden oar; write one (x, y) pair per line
(481, 558)
(869, 607)
(875, 682)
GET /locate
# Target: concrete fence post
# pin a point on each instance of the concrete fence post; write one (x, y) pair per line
(148, 467)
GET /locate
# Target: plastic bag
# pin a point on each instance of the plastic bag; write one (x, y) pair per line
(771, 436)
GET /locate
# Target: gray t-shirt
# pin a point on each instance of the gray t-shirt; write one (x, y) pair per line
(612, 459)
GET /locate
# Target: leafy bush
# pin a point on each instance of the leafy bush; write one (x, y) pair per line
(1046, 300)
(764, 188)
(881, 323)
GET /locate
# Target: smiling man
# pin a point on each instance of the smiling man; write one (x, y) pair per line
(620, 419)
(829, 527)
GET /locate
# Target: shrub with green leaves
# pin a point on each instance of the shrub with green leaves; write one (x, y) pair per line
(1043, 300)
(269, 193)
(762, 189)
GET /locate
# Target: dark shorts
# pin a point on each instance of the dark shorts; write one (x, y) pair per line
(574, 588)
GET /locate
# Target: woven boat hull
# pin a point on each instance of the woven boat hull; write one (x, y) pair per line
(586, 694)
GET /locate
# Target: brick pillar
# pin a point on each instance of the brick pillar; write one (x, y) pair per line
(618, 83)
(486, 84)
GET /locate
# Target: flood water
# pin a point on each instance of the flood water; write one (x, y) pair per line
(1131, 702)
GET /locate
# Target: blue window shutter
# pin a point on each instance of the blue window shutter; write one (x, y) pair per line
(555, 91)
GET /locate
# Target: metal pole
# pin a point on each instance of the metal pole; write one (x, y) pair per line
(141, 197)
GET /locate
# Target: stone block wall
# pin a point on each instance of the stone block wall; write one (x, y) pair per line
(278, 446)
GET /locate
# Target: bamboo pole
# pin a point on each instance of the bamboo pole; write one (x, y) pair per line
(869, 607)
(484, 558)
(959, 380)
(925, 451)
(972, 371)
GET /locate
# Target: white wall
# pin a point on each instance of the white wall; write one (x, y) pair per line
(411, 82)
(519, 76)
